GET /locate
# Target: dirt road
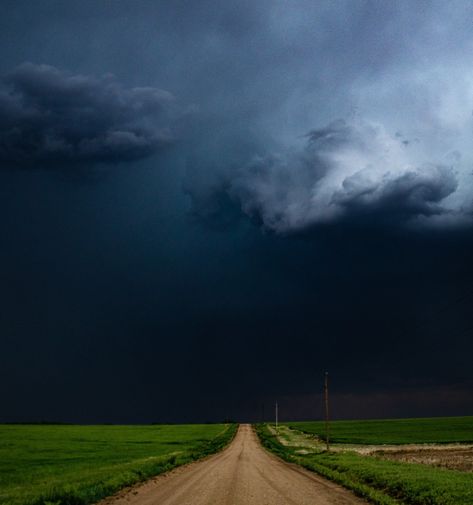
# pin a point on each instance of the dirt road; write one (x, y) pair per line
(243, 474)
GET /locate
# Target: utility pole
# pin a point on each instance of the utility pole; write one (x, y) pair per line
(262, 412)
(327, 427)
(276, 415)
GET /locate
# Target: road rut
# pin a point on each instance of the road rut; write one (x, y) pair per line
(242, 474)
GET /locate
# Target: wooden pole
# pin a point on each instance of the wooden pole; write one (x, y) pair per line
(327, 419)
(276, 415)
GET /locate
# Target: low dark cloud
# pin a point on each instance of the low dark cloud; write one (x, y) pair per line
(346, 171)
(48, 116)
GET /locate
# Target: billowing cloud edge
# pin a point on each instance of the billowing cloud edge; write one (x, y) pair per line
(49, 116)
(348, 171)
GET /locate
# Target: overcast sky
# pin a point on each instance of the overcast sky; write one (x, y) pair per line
(206, 205)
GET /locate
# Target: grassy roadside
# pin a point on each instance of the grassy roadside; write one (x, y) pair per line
(79, 465)
(379, 481)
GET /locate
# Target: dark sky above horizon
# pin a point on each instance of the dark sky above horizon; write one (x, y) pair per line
(205, 205)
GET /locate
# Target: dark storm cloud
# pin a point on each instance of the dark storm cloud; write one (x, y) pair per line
(348, 170)
(109, 290)
(48, 116)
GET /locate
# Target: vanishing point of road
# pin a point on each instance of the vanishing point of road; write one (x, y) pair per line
(242, 474)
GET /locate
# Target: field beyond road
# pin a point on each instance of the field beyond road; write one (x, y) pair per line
(436, 430)
(74, 465)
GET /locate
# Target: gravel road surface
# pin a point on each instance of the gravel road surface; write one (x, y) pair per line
(242, 474)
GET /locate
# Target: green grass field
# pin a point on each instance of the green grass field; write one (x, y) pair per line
(393, 431)
(75, 465)
(381, 482)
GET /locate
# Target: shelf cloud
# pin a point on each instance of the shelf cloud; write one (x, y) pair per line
(348, 171)
(345, 170)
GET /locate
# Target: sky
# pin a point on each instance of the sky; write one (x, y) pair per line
(205, 206)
